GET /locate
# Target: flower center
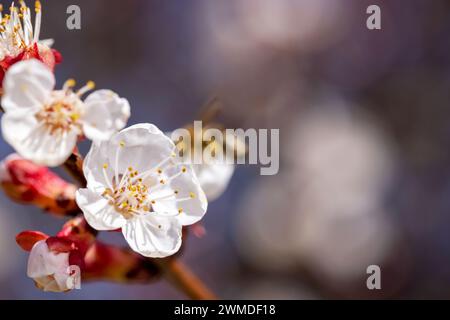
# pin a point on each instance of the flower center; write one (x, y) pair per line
(65, 109)
(130, 196)
(59, 115)
(136, 193)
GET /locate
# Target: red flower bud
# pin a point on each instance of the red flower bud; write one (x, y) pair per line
(48, 56)
(27, 239)
(28, 183)
(75, 248)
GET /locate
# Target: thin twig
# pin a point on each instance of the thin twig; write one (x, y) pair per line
(183, 278)
(74, 166)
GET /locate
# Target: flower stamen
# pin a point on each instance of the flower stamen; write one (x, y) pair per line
(90, 85)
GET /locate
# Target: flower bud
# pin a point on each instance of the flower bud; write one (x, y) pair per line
(50, 269)
(59, 263)
(28, 183)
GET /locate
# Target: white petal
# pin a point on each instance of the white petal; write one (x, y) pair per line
(97, 212)
(213, 178)
(42, 262)
(27, 85)
(190, 197)
(93, 166)
(34, 141)
(106, 113)
(144, 146)
(153, 236)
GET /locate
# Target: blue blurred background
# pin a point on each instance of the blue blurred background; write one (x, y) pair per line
(364, 126)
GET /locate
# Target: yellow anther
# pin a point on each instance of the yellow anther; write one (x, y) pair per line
(130, 168)
(180, 210)
(153, 201)
(70, 83)
(105, 166)
(159, 171)
(122, 144)
(192, 195)
(74, 116)
(37, 6)
(162, 181)
(176, 192)
(90, 84)
(107, 191)
(183, 169)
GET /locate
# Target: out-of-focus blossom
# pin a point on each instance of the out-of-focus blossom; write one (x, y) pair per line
(343, 167)
(28, 183)
(304, 24)
(43, 124)
(19, 39)
(329, 216)
(331, 149)
(214, 178)
(135, 182)
(264, 229)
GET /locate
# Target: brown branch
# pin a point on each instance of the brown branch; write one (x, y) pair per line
(180, 276)
(74, 166)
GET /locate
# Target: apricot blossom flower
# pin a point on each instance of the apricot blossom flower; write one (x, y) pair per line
(44, 124)
(135, 182)
(19, 39)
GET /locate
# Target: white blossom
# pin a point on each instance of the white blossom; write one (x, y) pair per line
(43, 124)
(135, 182)
(17, 33)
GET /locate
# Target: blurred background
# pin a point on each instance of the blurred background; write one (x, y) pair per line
(365, 139)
